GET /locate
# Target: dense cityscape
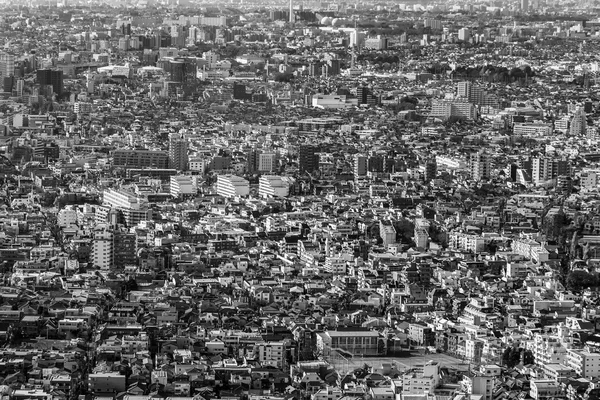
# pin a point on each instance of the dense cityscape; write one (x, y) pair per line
(259, 200)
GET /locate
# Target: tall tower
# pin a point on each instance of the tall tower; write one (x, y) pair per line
(480, 166)
(178, 153)
(579, 123)
(292, 19)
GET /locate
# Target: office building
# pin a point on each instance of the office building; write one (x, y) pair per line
(51, 77)
(376, 43)
(7, 65)
(308, 158)
(178, 152)
(182, 70)
(464, 34)
(141, 159)
(267, 162)
(357, 38)
(232, 186)
(365, 96)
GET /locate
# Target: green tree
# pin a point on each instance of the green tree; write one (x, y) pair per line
(579, 279)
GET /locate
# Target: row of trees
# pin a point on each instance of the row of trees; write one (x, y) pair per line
(488, 73)
(513, 356)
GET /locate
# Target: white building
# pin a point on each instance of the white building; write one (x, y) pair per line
(120, 199)
(267, 162)
(274, 186)
(459, 108)
(532, 129)
(467, 242)
(231, 185)
(66, 217)
(421, 381)
(328, 393)
(181, 185)
(102, 250)
(271, 353)
(584, 363)
(197, 164)
(333, 101)
(544, 389)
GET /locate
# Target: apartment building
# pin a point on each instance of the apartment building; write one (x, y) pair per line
(584, 362)
(274, 186)
(231, 186)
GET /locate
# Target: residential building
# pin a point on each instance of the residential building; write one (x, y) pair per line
(232, 186)
(178, 153)
(274, 186)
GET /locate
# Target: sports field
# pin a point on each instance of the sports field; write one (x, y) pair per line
(402, 363)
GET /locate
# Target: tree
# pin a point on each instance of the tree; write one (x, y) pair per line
(579, 279)
(511, 357)
(528, 357)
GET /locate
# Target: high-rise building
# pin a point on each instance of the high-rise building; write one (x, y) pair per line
(50, 77)
(360, 165)
(524, 5)
(476, 94)
(434, 24)
(578, 123)
(178, 153)
(366, 96)
(7, 84)
(546, 168)
(182, 70)
(252, 161)
(464, 34)
(102, 249)
(459, 108)
(7, 65)
(480, 166)
(124, 249)
(376, 43)
(430, 169)
(357, 38)
(308, 160)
